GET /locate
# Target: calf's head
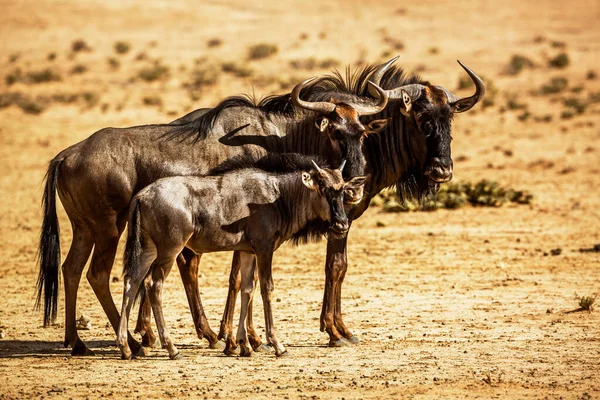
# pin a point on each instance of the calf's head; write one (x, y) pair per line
(330, 185)
(341, 122)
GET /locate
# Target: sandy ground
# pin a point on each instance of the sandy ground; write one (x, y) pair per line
(460, 304)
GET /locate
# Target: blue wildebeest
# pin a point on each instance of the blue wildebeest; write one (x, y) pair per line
(97, 178)
(412, 154)
(243, 209)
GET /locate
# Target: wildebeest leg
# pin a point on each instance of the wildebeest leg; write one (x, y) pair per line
(80, 250)
(336, 257)
(248, 261)
(107, 239)
(188, 262)
(235, 279)
(159, 273)
(265, 260)
(338, 322)
(132, 286)
(144, 322)
(247, 292)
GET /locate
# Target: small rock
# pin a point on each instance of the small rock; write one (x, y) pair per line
(556, 252)
(549, 311)
(84, 323)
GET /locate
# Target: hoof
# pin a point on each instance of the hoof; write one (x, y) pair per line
(245, 352)
(218, 345)
(81, 350)
(177, 356)
(126, 355)
(142, 352)
(148, 341)
(284, 354)
(231, 351)
(263, 348)
(353, 340)
(341, 342)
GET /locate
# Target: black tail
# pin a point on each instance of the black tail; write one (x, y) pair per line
(133, 247)
(49, 249)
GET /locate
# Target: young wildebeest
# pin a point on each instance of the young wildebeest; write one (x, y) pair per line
(97, 178)
(246, 210)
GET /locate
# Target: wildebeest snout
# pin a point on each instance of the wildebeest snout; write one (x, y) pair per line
(439, 170)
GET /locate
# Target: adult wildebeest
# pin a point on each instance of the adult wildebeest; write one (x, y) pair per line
(412, 154)
(242, 208)
(97, 178)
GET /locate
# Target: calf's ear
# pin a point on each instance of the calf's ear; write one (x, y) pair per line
(322, 123)
(308, 181)
(377, 125)
(357, 181)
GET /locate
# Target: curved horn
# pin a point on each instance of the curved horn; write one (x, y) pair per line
(378, 74)
(320, 106)
(368, 109)
(342, 165)
(414, 90)
(316, 166)
(466, 103)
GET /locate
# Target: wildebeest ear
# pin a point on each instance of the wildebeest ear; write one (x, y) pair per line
(406, 103)
(308, 181)
(322, 123)
(357, 181)
(378, 125)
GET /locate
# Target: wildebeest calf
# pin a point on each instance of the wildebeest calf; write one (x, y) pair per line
(245, 209)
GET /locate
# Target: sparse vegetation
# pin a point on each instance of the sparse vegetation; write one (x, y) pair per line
(154, 72)
(575, 104)
(586, 303)
(51, 56)
(200, 77)
(556, 85)
(80, 45)
(14, 77)
(559, 61)
(78, 69)
(558, 44)
(434, 50)
(214, 42)
(239, 70)
(154, 101)
(13, 58)
(591, 75)
(113, 63)
(394, 43)
(513, 103)
(518, 63)
(456, 195)
(262, 50)
(24, 102)
(42, 76)
(122, 47)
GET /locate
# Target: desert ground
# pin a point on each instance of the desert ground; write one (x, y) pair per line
(477, 302)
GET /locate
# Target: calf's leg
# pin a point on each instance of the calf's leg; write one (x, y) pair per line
(247, 291)
(265, 275)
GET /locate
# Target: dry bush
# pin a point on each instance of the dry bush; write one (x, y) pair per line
(51, 56)
(559, 61)
(154, 72)
(556, 85)
(518, 63)
(78, 69)
(262, 50)
(201, 76)
(113, 63)
(214, 42)
(80, 45)
(456, 195)
(239, 70)
(42, 76)
(154, 101)
(122, 47)
(586, 303)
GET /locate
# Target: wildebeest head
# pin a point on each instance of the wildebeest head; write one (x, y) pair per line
(430, 110)
(330, 184)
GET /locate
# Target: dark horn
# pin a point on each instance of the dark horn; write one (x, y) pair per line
(320, 106)
(370, 109)
(378, 74)
(466, 103)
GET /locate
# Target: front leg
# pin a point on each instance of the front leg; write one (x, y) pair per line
(235, 282)
(265, 275)
(188, 263)
(335, 266)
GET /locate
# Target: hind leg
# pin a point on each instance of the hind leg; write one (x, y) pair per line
(188, 263)
(144, 322)
(132, 285)
(159, 273)
(80, 250)
(99, 272)
(235, 279)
